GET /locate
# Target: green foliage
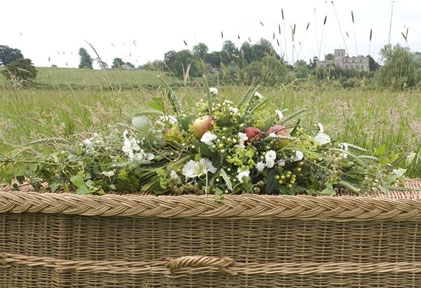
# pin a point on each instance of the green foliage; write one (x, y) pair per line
(9, 55)
(117, 63)
(20, 72)
(400, 68)
(85, 59)
(182, 63)
(166, 157)
(200, 50)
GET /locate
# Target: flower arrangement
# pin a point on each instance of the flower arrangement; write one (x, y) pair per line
(222, 147)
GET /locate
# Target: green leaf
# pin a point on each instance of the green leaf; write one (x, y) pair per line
(122, 175)
(349, 186)
(247, 187)
(185, 122)
(157, 104)
(82, 188)
(53, 187)
(204, 150)
(399, 172)
(328, 191)
(77, 180)
(271, 184)
(381, 150)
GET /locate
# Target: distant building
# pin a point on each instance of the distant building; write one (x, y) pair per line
(127, 66)
(359, 63)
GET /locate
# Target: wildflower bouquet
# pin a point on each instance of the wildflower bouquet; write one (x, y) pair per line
(221, 147)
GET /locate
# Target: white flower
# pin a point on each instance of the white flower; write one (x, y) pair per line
(298, 156)
(87, 142)
(213, 90)
(280, 114)
(88, 145)
(208, 138)
(130, 145)
(194, 169)
(132, 149)
(243, 174)
(258, 95)
(234, 110)
(143, 157)
(270, 155)
(175, 177)
(272, 135)
(260, 166)
(227, 102)
(270, 163)
(242, 138)
(191, 169)
(207, 166)
(281, 163)
(321, 137)
(239, 148)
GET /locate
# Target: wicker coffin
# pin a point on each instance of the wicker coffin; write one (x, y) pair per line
(65, 240)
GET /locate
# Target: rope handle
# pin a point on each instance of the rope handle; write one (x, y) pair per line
(199, 261)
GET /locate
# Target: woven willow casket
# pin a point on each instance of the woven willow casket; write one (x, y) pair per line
(65, 240)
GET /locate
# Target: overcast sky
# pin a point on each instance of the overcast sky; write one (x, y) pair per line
(52, 31)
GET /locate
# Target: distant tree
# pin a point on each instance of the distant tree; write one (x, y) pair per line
(330, 56)
(253, 72)
(200, 50)
(372, 64)
(274, 71)
(229, 52)
(214, 59)
(399, 70)
(85, 59)
(246, 52)
(181, 63)
(8, 55)
(117, 63)
(262, 49)
(20, 72)
(301, 69)
(156, 65)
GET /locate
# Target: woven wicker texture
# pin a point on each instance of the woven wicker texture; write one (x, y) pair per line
(65, 240)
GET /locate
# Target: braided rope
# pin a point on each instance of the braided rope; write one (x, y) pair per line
(241, 206)
(204, 264)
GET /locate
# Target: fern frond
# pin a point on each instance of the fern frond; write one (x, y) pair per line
(368, 157)
(226, 179)
(280, 137)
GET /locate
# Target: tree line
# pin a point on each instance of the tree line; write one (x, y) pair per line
(249, 64)
(260, 63)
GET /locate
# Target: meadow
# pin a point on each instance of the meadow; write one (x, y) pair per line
(36, 119)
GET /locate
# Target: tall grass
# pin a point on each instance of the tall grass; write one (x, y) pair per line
(365, 118)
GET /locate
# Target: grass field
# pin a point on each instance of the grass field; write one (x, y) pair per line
(366, 118)
(87, 78)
